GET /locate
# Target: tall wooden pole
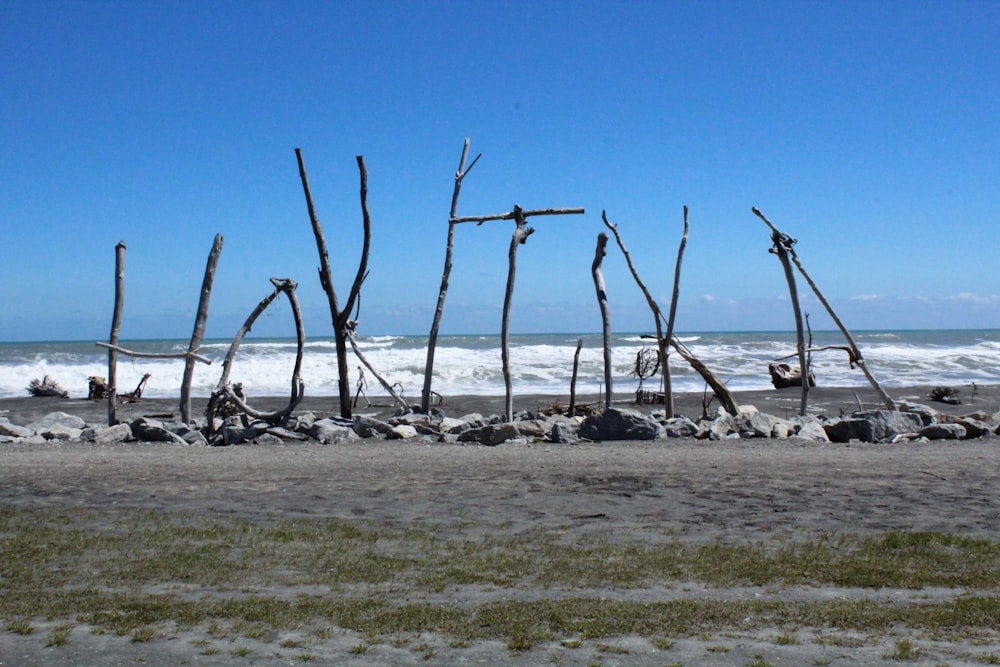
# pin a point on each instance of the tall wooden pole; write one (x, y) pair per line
(116, 325)
(199, 327)
(602, 301)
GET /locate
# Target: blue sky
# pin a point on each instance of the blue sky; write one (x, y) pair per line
(866, 130)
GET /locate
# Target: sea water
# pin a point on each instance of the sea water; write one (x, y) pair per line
(540, 364)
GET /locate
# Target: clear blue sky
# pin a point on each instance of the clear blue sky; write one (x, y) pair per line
(870, 131)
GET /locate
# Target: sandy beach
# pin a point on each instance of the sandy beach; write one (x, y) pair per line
(654, 492)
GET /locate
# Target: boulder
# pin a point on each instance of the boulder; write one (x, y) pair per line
(564, 432)
(13, 430)
(618, 424)
(267, 439)
(491, 434)
(452, 425)
(974, 428)
(147, 429)
(367, 427)
(680, 427)
(875, 426)
(752, 423)
(54, 419)
(108, 435)
(402, 432)
(237, 435)
(331, 431)
(809, 428)
(60, 432)
(943, 432)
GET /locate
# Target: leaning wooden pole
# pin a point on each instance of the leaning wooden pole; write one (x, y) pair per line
(781, 248)
(116, 325)
(602, 300)
(519, 237)
(668, 391)
(856, 352)
(572, 382)
(199, 327)
(425, 395)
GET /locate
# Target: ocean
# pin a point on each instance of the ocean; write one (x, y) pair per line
(540, 364)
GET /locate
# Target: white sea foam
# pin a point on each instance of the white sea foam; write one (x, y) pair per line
(539, 364)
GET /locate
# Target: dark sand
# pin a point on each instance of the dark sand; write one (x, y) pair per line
(694, 491)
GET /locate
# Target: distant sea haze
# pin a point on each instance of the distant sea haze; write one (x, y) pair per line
(540, 364)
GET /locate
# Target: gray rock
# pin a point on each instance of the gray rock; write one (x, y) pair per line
(680, 427)
(108, 435)
(723, 427)
(452, 425)
(60, 432)
(943, 432)
(237, 435)
(809, 428)
(330, 431)
(491, 434)
(57, 418)
(752, 423)
(402, 432)
(475, 420)
(928, 415)
(367, 427)
(147, 429)
(13, 430)
(974, 428)
(268, 439)
(875, 426)
(564, 432)
(618, 424)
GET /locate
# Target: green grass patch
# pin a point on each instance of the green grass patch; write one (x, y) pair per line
(130, 571)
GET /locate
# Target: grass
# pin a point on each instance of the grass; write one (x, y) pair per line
(130, 571)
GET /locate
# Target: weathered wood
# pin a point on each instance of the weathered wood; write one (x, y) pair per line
(340, 318)
(223, 389)
(668, 391)
(602, 300)
(572, 382)
(425, 394)
(511, 216)
(155, 355)
(116, 324)
(199, 327)
(781, 246)
(717, 385)
(857, 356)
(381, 380)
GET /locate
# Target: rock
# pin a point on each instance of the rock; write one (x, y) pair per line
(366, 427)
(268, 439)
(13, 430)
(330, 431)
(974, 428)
(402, 432)
(60, 432)
(534, 428)
(618, 424)
(147, 429)
(108, 435)
(680, 427)
(752, 423)
(723, 427)
(475, 420)
(875, 426)
(943, 432)
(237, 435)
(928, 415)
(57, 418)
(452, 425)
(491, 434)
(809, 428)
(564, 432)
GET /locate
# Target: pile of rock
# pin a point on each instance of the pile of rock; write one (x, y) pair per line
(911, 422)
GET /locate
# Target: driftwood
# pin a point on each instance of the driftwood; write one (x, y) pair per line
(340, 317)
(520, 236)
(425, 395)
(136, 394)
(381, 380)
(668, 393)
(572, 382)
(224, 392)
(855, 352)
(199, 327)
(782, 245)
(602, 301)
(46, 387)
(116, 324)
(97, 388)
(156, 355)
(717, 385)
(783, 376)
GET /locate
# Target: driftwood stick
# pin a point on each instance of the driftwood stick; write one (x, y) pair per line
(572, 382)
(782, 244)
(156, 355)
(519, 237)
(668, 393)
(116, 325)
(425, 395)
(858, 358)
(199, 327)
(381, 380)
(339, 318)
(223, 389)
(511, 216)
(602, 300)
